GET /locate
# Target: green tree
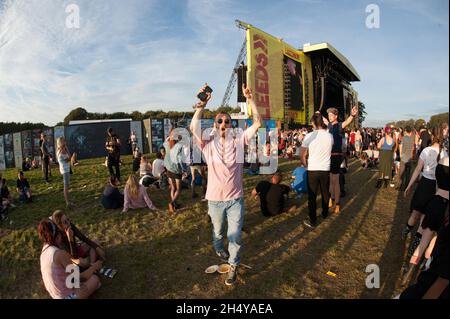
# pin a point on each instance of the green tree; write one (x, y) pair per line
(361, 113)
(77, 114)
(13, 127)
(438, 119)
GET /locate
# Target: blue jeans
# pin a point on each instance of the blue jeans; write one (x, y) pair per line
(23, 195)
(233, 211)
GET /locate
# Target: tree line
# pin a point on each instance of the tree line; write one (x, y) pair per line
(435, 121)
(80, 114)
(13, 127)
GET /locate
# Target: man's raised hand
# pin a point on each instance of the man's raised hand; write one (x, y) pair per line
(247, 92)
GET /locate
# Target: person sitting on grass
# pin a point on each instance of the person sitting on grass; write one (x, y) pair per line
(26, 165)
(136, 196)
(272, 195)
(5, 195)
(84, 253)
(112, 198)
(54, 262)
(23, 188)
(35, 163)
(145, 167)
(364, 158)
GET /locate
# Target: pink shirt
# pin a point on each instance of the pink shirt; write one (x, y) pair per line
(141, 201)
(225, 167)
(54, 275)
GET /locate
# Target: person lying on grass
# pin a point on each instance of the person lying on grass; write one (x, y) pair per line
(136, 196)
(84, 253)
(56, 266)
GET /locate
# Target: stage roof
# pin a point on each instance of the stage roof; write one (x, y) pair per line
(326, 47)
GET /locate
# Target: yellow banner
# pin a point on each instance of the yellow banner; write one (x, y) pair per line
(265, 73)
(279, 76)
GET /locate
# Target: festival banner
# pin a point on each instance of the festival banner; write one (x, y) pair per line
(2, 154)
(35, 139)
(280, 78)
(136, 126)
(17, 142)
(147, 141)
(27, 146)
(9, 150)
(51, 143)
(168, 125)
(265, 73)
(157, 134)
(58, 132)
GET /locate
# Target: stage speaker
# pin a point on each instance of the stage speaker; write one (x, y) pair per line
(241, 79)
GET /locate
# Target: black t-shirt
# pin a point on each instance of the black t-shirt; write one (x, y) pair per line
(136, 164)
(426, 139)
(337, 132)
(4, 191)
(22, 183)
(272, 197)
(112, 141)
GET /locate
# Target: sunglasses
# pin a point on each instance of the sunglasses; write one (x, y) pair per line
(219, 121)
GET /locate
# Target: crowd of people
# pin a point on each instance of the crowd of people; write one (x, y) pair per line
(403, 158)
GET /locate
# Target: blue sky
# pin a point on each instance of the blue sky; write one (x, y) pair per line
(142, 55)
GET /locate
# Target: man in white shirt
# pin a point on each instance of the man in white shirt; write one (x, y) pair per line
(317, 145)
(158, 166)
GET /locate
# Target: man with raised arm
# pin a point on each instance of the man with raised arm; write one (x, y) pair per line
(337, 130)
(224, 155)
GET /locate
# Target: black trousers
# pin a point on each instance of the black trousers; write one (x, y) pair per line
(114, 162)
(45, 163)
(342, 181)
(318, 180)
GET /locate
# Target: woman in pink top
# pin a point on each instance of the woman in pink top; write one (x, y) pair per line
(55, 262)
(136, 195)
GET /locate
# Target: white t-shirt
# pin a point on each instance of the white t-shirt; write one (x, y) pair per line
(429, 158)
(319, 144)
(157, 167)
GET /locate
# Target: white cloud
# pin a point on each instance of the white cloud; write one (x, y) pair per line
(134, 55)
(107, 65)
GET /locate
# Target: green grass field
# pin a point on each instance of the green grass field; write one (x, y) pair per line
(162, 257)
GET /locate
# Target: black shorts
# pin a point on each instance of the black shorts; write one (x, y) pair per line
(435, 213)
(423, 195)
(173, 175)
(336, 161)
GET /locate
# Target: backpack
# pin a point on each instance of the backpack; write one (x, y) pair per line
(300, 184)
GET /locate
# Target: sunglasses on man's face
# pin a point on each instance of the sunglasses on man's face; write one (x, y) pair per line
(219, 121)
